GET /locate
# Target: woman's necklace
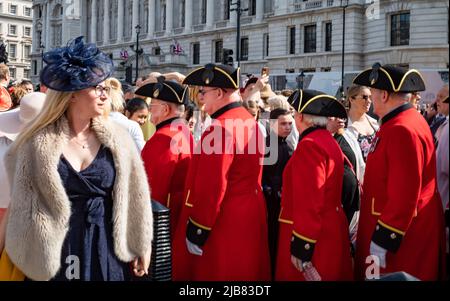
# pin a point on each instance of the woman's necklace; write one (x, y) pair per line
(83, 145)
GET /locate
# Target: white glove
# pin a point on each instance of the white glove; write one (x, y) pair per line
(379, 252)
(193, 248)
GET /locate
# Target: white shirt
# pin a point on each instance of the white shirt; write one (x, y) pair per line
(132, 126)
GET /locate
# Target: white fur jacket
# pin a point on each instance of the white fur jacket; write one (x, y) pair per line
(40, 209)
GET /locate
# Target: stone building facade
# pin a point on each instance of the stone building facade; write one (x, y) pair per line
(16, 18)
(288, 36)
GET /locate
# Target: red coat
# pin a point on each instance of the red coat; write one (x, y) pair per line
(401, 209)
(166, 159)
(225, 206)
(312, 218)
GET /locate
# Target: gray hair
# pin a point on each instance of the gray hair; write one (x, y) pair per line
(178, 109)
(278, 102)
(313, 120)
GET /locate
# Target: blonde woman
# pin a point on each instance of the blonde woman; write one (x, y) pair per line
(117, 109)
(80, 203)
(360, 124)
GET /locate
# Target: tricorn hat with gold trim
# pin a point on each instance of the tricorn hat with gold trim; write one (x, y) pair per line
(391, 78)
(317, 103)
(165, 90)
(211, 75)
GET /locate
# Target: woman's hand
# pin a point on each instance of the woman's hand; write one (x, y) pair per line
(141, 265)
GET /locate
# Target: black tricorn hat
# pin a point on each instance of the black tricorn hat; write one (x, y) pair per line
(391, 78)
(317, 103)
(211, 75)
(165, 90)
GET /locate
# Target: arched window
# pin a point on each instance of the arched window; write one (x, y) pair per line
(56, 25)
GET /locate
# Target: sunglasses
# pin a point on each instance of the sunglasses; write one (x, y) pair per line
(365, 97)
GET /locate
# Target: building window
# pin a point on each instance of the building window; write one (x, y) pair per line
(27, 31)
(218, 48)
(26, 52)
(13, 9)
(291, 31)
(26, 73)
(400, 29)
(266, 45)
(12, 73)
(203, 12)
(27, 11)
(1, 8)
(12, 51)
(12, 30)
(244, 49)
(328, 35)
(34, 67)
(156, 50)
(310, 38)
(226, 10)
(251, 7)
(196, 53)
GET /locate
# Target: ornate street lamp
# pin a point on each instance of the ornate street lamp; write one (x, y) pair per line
(137, 50)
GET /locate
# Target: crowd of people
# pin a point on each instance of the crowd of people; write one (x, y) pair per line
(261, 185)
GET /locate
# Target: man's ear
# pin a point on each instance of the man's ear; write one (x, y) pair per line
(221, 93)
(385, 96)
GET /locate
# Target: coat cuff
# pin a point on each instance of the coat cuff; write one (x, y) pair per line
(387, 237)
(302, 247)
(197, 233)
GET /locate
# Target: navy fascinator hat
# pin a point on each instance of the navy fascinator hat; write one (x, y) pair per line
(75, 67)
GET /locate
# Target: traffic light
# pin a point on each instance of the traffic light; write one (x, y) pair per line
(228, 57)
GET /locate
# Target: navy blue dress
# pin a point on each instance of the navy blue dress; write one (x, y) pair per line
(90, 236)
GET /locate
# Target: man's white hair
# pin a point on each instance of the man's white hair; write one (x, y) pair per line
(313, 120)
(178, 109)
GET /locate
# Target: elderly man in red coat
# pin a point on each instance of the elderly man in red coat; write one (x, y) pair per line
(224, 233)
(401, 223)
(313, 239)
(168, 153)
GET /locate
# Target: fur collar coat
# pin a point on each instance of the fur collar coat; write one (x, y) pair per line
(40, 209)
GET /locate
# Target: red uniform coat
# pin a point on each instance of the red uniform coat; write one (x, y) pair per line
(401, 209)
(166, 159)
(224, 204)
(313, 226)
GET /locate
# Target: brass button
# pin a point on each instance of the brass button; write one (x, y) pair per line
(199, 231)
(292, 238)
(337, 209)
(377, 228)
(307, 247)
(393, 236)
